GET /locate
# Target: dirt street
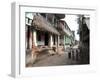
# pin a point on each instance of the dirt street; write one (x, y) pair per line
(54, 60)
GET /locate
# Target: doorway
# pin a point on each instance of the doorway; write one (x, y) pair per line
(46, 38)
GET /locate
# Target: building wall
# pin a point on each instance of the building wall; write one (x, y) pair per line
(67, 40)
(84, 40)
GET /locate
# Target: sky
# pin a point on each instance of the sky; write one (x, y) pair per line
(72, 23)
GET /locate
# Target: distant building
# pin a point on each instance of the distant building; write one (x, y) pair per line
(84, 32)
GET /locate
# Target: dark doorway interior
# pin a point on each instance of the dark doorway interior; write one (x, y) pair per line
(46, 38)
(54, 39)
(28, 36)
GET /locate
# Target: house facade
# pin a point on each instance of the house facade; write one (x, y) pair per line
(47, 30)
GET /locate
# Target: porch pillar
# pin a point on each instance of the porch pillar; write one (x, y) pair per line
(50, 41)
(58, 41)
(30, 40)
(34, 38)
(64, 42)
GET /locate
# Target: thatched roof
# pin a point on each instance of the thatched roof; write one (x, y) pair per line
(41, 23)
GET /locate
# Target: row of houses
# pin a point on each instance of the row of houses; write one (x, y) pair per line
(47, 30)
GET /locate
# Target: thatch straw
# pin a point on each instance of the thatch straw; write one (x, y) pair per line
(43, 24)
